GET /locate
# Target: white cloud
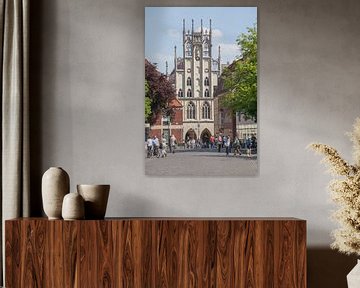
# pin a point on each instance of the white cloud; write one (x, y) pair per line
(216, 33)
(174, 33)
(161, 58)
(229, 52)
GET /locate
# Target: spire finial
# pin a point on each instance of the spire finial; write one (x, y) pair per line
(219, 60)
(201, 26)
(192, 25)
(210, 26)
(175, 58)
(184, 26)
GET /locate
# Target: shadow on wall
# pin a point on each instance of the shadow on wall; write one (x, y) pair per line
(328, 268)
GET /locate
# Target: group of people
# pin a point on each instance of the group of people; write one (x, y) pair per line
(224, 141)
(158, 148)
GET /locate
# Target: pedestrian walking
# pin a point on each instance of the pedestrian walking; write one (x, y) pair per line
(236, 146)
(193, 143)
(163, 148)
(227, 145)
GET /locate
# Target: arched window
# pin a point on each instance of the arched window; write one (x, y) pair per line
(190, 111)
(180, 93)
(188, 81)
(206, 111)
(206, 81)
(206, 93)
(188, 49)
(188, 93)
(206, 49)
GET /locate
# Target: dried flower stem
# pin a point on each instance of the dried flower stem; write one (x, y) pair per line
(345, 191)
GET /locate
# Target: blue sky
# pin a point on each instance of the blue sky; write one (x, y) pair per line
(163, 30)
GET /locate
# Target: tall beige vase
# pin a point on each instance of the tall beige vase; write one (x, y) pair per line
(55, 185)
(96, 198)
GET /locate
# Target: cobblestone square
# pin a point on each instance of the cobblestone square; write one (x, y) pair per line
(202, 164)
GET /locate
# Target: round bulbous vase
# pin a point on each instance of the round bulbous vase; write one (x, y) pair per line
(55, 185)
(73, 207)
(96, 198)
(353, 278)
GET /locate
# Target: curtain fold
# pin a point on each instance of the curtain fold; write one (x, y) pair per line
(15, 162)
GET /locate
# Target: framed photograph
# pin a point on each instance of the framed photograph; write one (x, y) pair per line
(201, 91)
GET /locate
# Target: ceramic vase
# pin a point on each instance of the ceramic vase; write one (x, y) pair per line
(353, 278)
(55, 185)
(96, 198)
(73, 207)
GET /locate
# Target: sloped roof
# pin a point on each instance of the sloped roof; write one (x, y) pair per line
(175, 103)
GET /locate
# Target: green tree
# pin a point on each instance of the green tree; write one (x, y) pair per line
(159, 91)
(147, 102)
(240, 79)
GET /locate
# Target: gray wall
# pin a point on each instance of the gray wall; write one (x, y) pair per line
(87, 85)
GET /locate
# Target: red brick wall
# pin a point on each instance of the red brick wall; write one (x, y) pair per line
(178, 134)
(177, 117)
(155, 132)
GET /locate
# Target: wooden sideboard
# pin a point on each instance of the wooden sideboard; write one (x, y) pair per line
(156, 252)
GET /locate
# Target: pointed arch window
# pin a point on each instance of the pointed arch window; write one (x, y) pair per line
(206, 111)
(206, 93)
(190, 111)
(180, 93)
(188, 49)
(206, 81)
(206, 49)
(188, 81)
(188, 93)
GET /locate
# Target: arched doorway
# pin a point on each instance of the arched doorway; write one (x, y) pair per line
(190, 134)
(205, 137)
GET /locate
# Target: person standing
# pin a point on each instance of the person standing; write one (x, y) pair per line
(172, 143)
(156, 145)
(219, 142)
(149, 147)
(248, 146)
(212, 141)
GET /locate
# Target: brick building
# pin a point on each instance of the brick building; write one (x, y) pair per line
(165, 126)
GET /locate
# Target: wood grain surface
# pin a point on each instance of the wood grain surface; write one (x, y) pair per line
(157, 253)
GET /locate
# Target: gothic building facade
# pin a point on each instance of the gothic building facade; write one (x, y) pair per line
(195, 78)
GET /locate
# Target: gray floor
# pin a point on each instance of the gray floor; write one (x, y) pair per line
(202, 163)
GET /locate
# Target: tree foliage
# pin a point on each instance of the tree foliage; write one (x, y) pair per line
(147, 101)
(158, 91)
(240, 79)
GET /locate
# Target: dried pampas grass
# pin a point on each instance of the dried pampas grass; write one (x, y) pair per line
(345, 192)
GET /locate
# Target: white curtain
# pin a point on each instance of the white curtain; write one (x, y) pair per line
(14, 25)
